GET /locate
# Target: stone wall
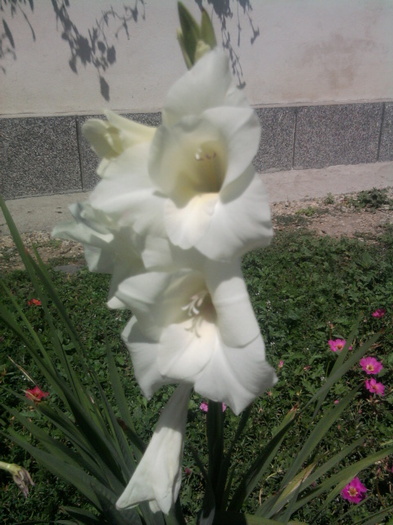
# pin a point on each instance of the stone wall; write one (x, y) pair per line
(48, 155)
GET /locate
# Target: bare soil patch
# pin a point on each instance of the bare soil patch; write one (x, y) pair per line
(333, 216)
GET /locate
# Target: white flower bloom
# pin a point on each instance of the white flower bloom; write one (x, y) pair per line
(108, 248)
(200, 160)
(157, 477)
(199, 330)
(112, 137)
(215, 201)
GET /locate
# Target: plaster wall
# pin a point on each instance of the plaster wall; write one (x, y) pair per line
(285, 52)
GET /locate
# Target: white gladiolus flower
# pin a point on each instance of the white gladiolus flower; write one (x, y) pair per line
(157, 477)
(215, 202)
(200, 160)
(199, 330)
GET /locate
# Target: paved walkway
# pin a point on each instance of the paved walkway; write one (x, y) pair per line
(42, 213)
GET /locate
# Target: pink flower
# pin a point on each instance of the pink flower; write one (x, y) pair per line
(34, 302)
(36, 394)
(336, 345)
(355, 491)
(280, 364)
(370, 365)
(375, 387)
(205, 407)
(336, 401)
(379, 312)
(187, 471)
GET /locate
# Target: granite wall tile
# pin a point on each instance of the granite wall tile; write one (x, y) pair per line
(337, 134)
(39, 156)
(386, 146)
(89, 160)
(276, 147)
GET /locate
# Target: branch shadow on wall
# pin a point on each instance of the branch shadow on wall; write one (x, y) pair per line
(226, 10)
(7, 40)
(96, 48)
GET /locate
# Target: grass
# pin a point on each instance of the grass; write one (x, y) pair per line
(305, 290)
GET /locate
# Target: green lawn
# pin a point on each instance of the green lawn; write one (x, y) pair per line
(305, 291)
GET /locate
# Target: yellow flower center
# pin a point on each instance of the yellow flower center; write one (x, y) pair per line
(210, 168)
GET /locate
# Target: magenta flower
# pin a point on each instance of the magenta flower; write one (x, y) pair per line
(379, 312)
(336, 345)
(355, 491)
(374, 387)
(36, 394)
(280, 364)
(205, 407)
(370, 365)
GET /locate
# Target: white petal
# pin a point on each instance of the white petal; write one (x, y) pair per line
(185, 350)
(157, 478)
(236, 320)
(130, 132)
(144, 353)
(236, 376)
(241, 221)
(241, 132)
(157, 298)
(207, 85)
(101, 140)
(187, 225)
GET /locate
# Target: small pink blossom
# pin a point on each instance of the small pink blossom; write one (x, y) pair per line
(205, 407)
(336, 345)
(36, 394)
(187, 471)
(371, 365)
(355, 491)
(336, 401)
(375, 387)
(280, 364)
(379, 312)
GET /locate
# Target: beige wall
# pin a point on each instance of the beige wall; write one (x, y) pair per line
(307, 52)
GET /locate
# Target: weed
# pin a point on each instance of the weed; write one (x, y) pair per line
(308, 212)
(372, 199)
(329, 199)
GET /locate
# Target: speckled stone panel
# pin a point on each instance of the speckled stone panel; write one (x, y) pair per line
(333, 135)
(89, 160)
(39, 156)
(386, 146)
(276, 146)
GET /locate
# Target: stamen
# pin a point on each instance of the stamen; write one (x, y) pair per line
(194, 306)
